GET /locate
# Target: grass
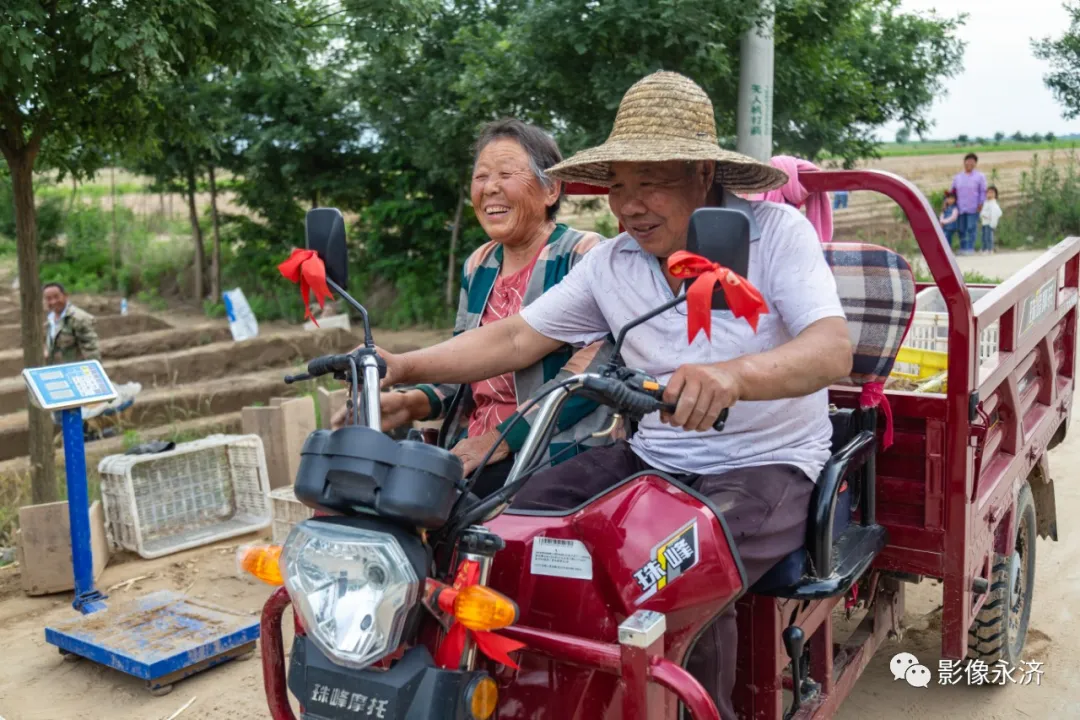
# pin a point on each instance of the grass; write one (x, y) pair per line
(946, 147)
(95, 190)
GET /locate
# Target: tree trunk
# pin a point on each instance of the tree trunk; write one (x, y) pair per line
(74, 192)
(42, 467)
(451, 266)
(215, 259)
(314, 199)
(196, 236)
(115, 239)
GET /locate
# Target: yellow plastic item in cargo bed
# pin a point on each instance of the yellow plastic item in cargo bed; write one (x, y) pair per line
(932, 367)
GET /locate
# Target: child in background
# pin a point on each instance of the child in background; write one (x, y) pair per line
(950, 215)
(990, 216)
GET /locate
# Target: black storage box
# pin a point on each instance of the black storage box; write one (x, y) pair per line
(356, 469)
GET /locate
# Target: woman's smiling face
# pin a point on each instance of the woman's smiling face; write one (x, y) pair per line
(509, 200)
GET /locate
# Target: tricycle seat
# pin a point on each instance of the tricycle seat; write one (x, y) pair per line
(837, 551)
(877, 289)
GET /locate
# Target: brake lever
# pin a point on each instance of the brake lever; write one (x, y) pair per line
(651, 386)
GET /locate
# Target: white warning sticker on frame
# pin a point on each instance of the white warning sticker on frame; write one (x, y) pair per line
(561, 558)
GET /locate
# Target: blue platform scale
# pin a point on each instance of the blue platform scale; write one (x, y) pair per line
(162, 637)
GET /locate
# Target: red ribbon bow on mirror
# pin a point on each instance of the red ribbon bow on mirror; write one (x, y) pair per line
(493, 645)
(743, 298)
(306, 268)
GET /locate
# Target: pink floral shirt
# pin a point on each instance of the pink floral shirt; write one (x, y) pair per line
(496, 398)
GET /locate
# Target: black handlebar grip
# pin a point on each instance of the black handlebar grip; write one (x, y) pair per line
(721, 419)
(327, 364)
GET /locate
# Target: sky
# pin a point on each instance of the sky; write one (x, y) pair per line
(1001, 86)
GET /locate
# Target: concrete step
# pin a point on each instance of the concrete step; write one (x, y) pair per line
(168, 405)
(108, 326)
(93, 304)
(139, 345)
(15, 473)
(170, 369)
(165, 406)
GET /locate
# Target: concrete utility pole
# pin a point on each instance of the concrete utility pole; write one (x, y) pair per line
(754, 121)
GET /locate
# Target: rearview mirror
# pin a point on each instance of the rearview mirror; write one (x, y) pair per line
(324, 232)
(723, 236)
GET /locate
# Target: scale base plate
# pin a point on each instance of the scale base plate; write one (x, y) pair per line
(162, 637)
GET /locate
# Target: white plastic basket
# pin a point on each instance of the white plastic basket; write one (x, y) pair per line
(198, 493)
(287, 511)
(930, 326)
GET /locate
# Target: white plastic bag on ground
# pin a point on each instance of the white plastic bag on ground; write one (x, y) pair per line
(242, 320)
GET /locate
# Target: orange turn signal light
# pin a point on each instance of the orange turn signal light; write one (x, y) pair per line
(483, 696)
(261, 561)
(478, 607)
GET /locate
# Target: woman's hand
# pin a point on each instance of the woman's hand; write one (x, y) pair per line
(398, 408)
(472, 450)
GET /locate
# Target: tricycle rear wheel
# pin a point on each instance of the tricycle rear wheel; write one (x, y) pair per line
(1000, 628)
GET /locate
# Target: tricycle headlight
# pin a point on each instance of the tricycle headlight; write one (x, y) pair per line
(353, 587)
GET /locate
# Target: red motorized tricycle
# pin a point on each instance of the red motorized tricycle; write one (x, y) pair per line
(414, 600)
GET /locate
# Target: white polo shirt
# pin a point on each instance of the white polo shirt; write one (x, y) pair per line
(618, 281)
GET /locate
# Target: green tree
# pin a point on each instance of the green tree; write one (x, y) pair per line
(427, 73)
(1035, 138)
(1050, 137)
(1063, 54)
(74, 82)
(903, 135)
(998, 137)
(1019, 136)
(843, 70)
(962, 139)
(191, 119)
(425, 105)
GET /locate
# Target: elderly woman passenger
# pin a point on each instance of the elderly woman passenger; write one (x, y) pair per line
(528, 253)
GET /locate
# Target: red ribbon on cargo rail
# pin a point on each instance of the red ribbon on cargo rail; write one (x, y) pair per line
(306, 268)
(493, 645)
(743, 298)
(873, 396)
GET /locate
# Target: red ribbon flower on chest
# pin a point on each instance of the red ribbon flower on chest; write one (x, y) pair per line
(744, 300)
(306, 268)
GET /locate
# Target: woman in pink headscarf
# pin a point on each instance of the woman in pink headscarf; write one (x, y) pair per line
(818, 209)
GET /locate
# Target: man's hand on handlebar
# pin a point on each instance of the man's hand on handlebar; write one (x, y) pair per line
(398, 408)
(700, 393)
(395, 370)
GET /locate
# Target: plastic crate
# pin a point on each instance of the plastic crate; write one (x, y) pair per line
(930, 328)
(196, 494)
(287, 511)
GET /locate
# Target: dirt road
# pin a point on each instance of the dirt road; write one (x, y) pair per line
(35, 684)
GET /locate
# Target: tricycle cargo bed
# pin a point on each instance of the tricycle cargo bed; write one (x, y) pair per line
(946, 488)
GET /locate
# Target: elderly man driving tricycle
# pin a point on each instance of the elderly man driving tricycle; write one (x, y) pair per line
(661, 163)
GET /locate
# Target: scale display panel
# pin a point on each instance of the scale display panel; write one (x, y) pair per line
(59, 387)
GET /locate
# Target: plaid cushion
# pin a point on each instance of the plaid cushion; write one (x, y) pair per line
(877, 289)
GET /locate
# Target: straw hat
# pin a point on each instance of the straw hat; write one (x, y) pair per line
(666, 116)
